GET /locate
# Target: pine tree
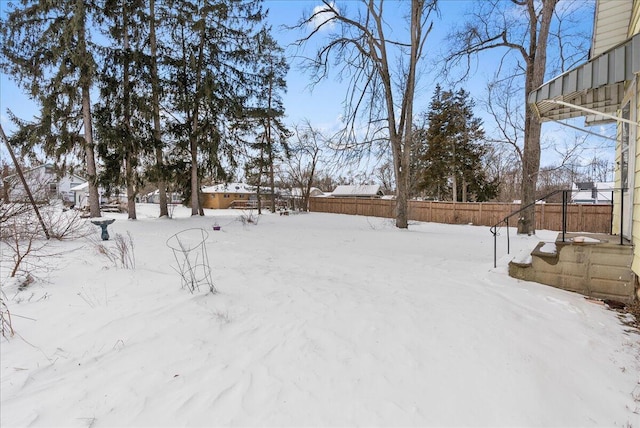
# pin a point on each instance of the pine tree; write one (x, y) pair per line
(47, 49)
(265, 115)
(123, 116)
(451, 164)
(212, 44)
(159, 171)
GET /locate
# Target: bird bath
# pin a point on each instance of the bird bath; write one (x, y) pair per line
(103, 223)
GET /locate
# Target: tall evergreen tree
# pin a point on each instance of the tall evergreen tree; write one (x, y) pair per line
(265, 115)
(212, 46)
(47, 49)
(452, 160)
(158, 175)
(124, 113)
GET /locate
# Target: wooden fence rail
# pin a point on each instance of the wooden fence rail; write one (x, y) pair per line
(580, 217)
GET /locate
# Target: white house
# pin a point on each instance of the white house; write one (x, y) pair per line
(81, 195)
(592, 193)
(154, 197)
(45, 184)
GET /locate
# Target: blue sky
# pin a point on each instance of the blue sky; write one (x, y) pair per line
(322, 105)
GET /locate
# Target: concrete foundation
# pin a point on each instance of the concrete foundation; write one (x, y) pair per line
(596, 266)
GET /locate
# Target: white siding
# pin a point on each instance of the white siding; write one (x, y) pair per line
(612, 24)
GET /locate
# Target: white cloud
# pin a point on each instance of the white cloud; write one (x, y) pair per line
(322, 14)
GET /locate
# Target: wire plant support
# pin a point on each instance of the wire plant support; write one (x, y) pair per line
(566, 196)
(190, 254)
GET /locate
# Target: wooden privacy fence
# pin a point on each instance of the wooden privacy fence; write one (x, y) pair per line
(580, 217)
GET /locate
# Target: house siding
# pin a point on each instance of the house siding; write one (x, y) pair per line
(635, 227)
(611, 19)
(223, 201)
(634, 25)
(634, 28)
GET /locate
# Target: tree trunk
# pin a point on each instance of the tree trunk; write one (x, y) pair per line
(530, 169)
(259, 198)
(272, 182)
(454, 187)
(270, 145)
(402, 204)
(193, 147)
(196, 208)
(130, 154)
(403, 170)
(85, 88)
(464, 190)
(155, 91)
(536, 66)
(92, 176)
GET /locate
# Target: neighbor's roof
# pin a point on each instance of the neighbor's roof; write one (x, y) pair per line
(229, 188)
(358, 190)
(602, 185)
(602, 191)
(80, 187)
(314, 191)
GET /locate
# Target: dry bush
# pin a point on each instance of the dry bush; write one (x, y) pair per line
(65, 225)
(9, 210)
(248, 217)
(121, 253)
(6, 327)
(25, 239)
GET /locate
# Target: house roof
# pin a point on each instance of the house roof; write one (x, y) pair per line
(358, 190)
(589, 192)
(602, 185)
(229, 188)
(297, 192)
(80, 187)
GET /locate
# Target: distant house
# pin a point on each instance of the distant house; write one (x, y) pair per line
(296, 192)
(45, 184)
(154, 197)
(358, 191)
(81, 195)
(229, 195)
(592, 193)
(293, 197)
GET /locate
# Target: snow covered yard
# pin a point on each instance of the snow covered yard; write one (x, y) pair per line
(320, 320)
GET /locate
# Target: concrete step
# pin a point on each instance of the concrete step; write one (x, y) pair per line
(595, 266)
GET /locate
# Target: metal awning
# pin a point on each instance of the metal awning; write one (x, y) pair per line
(594, 88)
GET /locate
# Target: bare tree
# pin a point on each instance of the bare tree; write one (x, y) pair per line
(379, 94)
(522, 28)
(384, 175)
(503, 104)
(305, 155)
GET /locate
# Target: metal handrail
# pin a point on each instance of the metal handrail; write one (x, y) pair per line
(565, 203)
